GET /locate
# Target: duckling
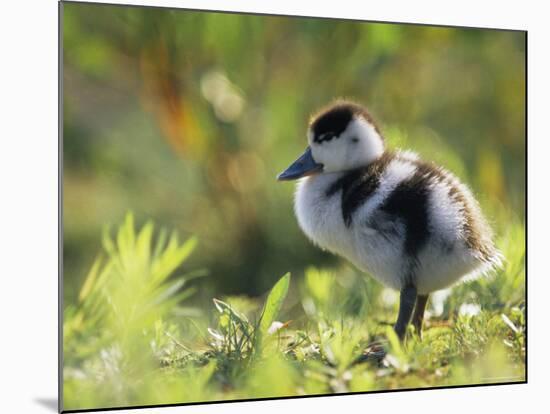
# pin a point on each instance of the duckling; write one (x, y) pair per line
(410, 224)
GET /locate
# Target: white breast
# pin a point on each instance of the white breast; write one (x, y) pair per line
(320, 218)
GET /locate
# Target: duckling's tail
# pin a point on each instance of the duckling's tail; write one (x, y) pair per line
(488, 265)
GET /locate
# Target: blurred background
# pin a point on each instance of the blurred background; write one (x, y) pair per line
(186, 118)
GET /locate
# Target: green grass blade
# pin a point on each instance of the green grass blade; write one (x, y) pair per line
(89, 282)
(274, 303)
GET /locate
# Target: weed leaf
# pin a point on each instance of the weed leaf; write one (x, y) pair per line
(274, 303)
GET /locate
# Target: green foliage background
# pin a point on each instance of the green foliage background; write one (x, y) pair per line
(186, 117)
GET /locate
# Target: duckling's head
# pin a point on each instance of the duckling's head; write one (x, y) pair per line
(341, 137)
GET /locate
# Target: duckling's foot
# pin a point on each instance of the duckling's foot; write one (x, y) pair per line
(375, 352)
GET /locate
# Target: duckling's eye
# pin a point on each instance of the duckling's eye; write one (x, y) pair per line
(355, 140)
(327, 136)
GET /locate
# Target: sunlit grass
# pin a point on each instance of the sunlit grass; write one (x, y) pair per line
(129, 341)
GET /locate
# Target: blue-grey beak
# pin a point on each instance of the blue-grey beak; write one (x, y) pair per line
(305, 165)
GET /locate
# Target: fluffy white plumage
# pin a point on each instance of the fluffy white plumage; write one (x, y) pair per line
(384, 257)
(410, 224)
(374, 241)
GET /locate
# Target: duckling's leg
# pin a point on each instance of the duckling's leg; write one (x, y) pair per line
(418, 316)
(406, 306)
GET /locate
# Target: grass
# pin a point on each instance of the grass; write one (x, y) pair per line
(132, 340)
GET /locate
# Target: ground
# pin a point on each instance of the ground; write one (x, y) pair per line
(131, 339)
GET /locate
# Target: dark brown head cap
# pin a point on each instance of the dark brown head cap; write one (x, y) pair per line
(332, 120)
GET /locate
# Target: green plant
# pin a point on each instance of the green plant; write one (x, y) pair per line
(128, 349)
(109, 334)
(236, 342)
